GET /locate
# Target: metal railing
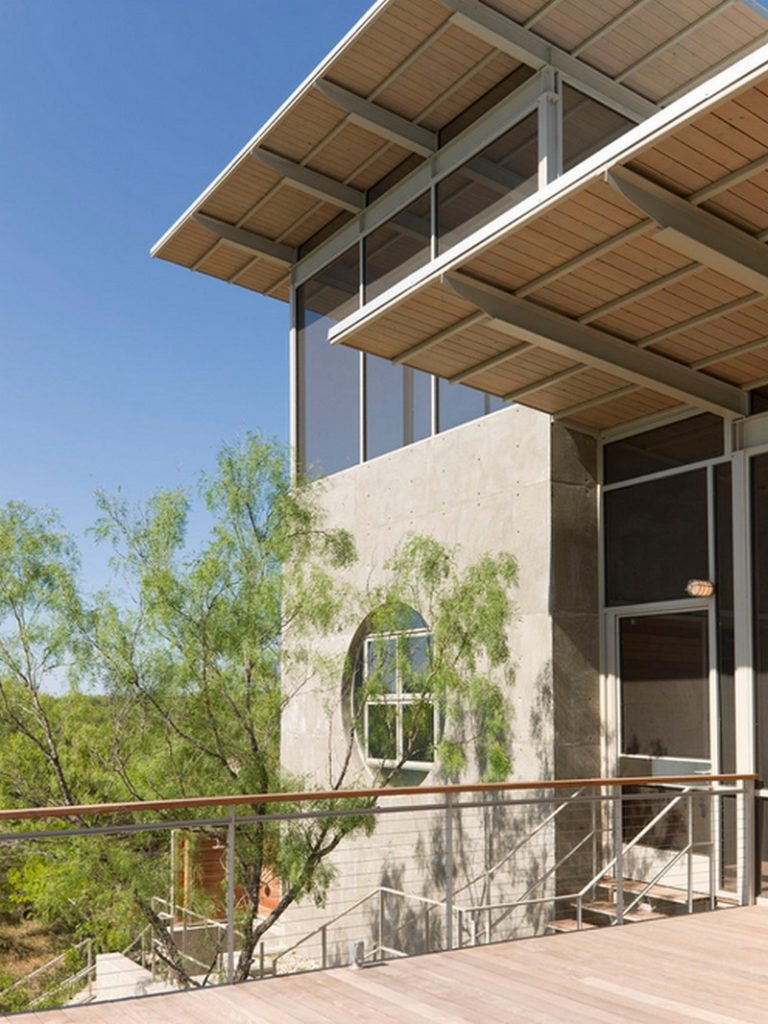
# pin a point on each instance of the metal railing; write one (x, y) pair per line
(444, 866)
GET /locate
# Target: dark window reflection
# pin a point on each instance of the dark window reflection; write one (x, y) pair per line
(656, 538)
(676, 444)
(760, 569)
(398, 247)
(587, 126)
(329, 376)
(498, 177)
(664, 685)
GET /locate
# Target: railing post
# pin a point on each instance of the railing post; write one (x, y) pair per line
(449, 871)
(460, 926)
(231, 896)
(324, 946)
(381, 924)
(747, 854)
(689, 859)
(593, 808)
(618, 847)
(89, 964)
(261, 961)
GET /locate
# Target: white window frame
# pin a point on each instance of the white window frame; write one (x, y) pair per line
(400, 699)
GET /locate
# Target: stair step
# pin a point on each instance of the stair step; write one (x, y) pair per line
(667, 893)
(606, 910)
(569, 924)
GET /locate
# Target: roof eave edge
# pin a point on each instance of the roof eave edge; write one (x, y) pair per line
(370, 15)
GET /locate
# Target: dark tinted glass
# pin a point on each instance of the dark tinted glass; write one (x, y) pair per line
(500, 176)
(760, 601)
(677, 444)
(587, 126)
(758, 401)
(458, 404)
(396, 248)
(329, 376)
(664, 687)
(656, 538)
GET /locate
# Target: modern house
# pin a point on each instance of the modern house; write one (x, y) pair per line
(523, 246)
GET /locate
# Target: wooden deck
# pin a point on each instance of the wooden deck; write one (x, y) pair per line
(707, 967)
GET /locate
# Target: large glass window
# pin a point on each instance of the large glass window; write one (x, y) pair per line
(676, 444)
(664, 685)
(498, 177)
(656, 538)
(397, 406)
(760, 598)
(398, 247)
(587, 126)
(329, 376)
(385, 407)
(457, 404)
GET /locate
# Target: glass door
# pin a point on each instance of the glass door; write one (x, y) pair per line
(664, 698)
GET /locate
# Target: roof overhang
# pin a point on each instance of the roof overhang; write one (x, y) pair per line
(655, 243)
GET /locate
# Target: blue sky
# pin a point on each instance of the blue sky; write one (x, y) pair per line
(118, 370)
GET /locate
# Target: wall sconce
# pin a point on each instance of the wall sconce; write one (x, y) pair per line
(700, 588)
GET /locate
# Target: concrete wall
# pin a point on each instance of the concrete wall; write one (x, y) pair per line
(484, 486)
(510, 482)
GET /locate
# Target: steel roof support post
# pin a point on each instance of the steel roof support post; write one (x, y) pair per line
(744, 677)
(550, 128)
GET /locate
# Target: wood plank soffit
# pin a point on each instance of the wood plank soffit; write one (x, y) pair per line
(379, 120)
(566, 337)
(507, 35)
(248, 240)
(313, 182)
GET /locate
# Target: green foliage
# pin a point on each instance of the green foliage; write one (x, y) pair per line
(179, 682)
(470, 671)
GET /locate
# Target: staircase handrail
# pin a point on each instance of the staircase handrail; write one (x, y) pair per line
(490, 872)
(83, 944)
(634, 841)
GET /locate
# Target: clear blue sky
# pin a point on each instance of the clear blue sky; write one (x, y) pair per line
(118, 370)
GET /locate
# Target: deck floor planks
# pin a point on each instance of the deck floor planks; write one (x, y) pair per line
(707, 967)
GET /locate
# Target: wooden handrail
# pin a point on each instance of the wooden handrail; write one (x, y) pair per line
(197, 802)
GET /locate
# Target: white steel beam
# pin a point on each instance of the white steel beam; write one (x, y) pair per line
(379, 120)
(507, 35)
(248, 240)
(316, 184)
(697, 234)
(566, 337)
